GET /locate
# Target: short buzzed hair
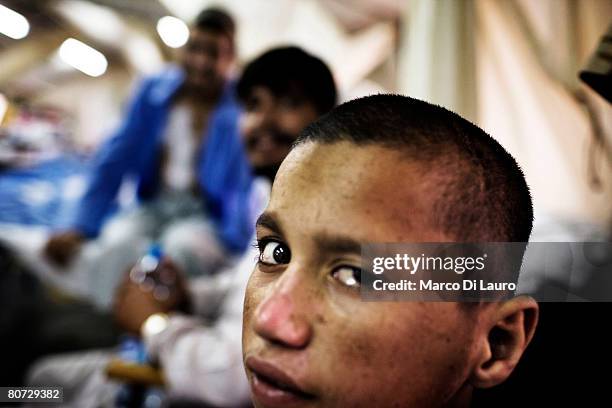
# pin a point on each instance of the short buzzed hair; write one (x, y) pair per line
(479, 191)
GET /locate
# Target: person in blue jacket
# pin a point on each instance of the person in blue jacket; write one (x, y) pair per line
(179, 139)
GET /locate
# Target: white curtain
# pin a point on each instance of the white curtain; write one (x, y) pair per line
(511, 66)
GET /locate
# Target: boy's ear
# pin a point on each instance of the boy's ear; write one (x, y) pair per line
(511, 327)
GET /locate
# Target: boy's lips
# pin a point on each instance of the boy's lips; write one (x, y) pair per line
(274, 387)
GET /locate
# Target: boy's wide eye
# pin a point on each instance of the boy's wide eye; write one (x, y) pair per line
(273, 253)
(348, 276)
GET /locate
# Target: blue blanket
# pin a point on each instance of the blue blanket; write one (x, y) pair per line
(45, 194)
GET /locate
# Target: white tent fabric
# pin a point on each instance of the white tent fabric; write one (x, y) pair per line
(512, 67)
(436, 61)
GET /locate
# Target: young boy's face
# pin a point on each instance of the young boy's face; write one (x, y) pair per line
(207, 59)
(308, 339)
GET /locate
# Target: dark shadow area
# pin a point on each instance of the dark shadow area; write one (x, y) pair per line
(36, 321)
(566, 361)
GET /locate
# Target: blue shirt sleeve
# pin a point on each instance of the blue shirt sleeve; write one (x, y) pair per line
(112, 162)
(225, 176)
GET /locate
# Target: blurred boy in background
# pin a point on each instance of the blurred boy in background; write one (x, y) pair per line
(282, 91)
(180, 140)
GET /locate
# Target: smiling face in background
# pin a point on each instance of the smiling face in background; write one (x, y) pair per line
(308, 339)
(270, 124)
(282, 91)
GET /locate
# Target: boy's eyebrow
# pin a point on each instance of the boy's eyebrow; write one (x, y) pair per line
(337, 244)
(325, 242)
(267, 220)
